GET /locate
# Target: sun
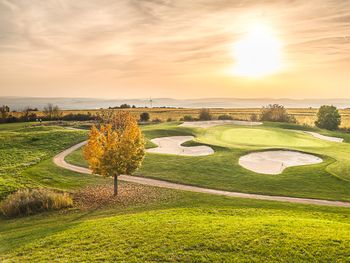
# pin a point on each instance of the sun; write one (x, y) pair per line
(258, 53)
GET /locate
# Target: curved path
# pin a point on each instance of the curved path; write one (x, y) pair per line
(324, 137)
(59, 161)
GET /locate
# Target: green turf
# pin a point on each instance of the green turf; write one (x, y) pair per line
(328, 180)
(185, 227)
(22, 146)
(188, 228)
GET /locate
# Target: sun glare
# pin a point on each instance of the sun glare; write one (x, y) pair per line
(258, 53)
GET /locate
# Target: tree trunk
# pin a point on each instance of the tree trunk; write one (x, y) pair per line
(115, 185)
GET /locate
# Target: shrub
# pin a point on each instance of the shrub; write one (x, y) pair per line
(205, 115)
(144, 116)
(254, 117)
(156, 120)
(328, 118)
(276, 112)
(188, 118)
(225, 117)
(32, 201)
(169, 119)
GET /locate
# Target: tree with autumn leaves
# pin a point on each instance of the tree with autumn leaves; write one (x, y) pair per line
(115, 147)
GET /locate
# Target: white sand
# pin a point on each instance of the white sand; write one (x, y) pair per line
(172, 145)
(274, 162)
(206, 124)
(325, 138)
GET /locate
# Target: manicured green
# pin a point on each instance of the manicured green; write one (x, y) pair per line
(328, 180)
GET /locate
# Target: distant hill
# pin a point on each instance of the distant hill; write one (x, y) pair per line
(19, 103)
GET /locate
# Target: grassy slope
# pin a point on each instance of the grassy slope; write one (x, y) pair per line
(221, 170)
(23, 146)
(189, 227)
(184, 227)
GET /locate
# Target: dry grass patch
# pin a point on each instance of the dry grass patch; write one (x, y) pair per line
(31, 201)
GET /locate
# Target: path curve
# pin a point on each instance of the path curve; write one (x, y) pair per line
(59, 161)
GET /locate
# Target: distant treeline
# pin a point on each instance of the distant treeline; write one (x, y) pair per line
(50, 113)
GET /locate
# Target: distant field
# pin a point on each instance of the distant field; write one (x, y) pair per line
(303, 116)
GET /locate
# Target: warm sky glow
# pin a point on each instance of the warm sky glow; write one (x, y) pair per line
(258, 53)
(180, 49)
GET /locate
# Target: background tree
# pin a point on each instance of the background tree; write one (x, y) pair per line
(254, 117)
(144, 116)
(225, 117)
(52, 112)
(276, 112)
(4, 111)
(205, 115)
(328, 118)
(116, 147)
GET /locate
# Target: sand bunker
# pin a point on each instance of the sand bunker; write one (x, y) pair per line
(274, 162)
(325, 138)
(172, 145)
(206, 124)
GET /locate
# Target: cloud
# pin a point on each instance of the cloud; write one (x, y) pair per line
(136, 38)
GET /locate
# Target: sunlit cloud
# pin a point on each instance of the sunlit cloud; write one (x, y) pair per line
(149, 43)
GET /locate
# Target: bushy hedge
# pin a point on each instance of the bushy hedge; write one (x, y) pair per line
(275, 112)
(225, 117)
(34, 117)
(31, 201)
(328, 117)
(205, 115)
(188, 118)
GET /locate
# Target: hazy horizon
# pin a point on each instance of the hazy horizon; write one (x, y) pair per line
(175, 49)
(20, 103)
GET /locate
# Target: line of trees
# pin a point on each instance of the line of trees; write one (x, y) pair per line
(328, 117)
(50, 113)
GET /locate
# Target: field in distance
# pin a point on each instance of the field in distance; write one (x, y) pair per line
(303, 116)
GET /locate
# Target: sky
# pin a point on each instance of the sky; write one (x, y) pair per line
(178, 49)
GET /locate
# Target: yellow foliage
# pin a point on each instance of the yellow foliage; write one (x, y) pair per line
(116, 147)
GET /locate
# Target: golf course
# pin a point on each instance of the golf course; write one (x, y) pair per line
(328, 180)
(158, 224)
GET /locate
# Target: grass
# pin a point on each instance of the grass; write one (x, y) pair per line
(327, 180)
(23, 146)
(188, 228)
(179, 226)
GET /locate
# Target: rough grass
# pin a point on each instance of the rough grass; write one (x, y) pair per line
(327, 180)
(22, 146)
(26, 202)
